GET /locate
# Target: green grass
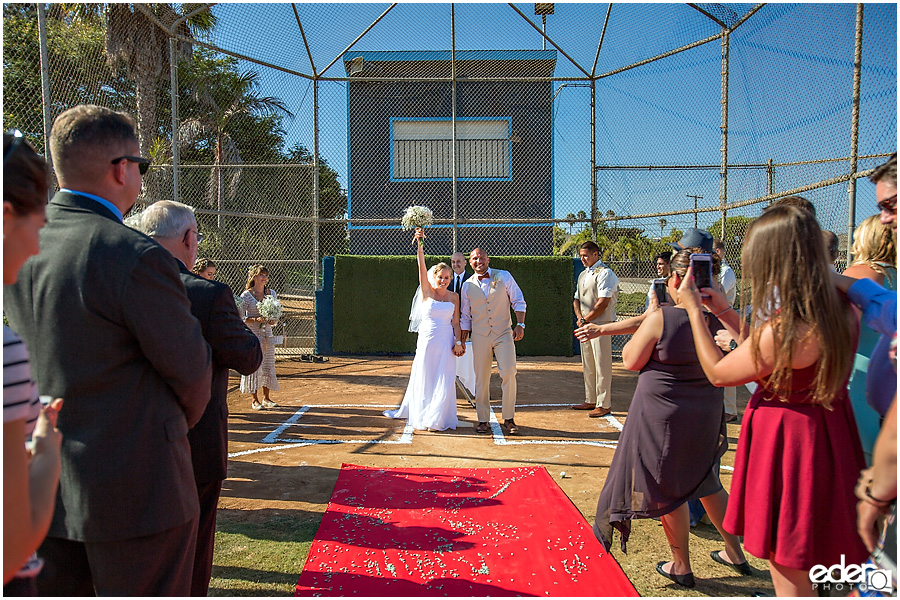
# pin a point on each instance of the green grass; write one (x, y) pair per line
(260, 554)
(629, 304)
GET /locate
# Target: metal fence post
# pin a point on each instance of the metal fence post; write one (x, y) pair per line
(854, 130)
(45, 82)
(173, 82)
(315, 185)
(723, 172)
(454, 191)
(593, 162)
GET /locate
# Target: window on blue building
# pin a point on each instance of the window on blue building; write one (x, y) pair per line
(421, 149)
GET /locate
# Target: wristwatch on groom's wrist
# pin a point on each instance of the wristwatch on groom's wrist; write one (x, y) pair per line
(522, 325)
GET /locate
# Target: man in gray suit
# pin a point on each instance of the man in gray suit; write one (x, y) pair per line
(234, 346)
(106, 315)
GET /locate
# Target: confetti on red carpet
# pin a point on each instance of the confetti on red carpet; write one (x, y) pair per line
(456, 532)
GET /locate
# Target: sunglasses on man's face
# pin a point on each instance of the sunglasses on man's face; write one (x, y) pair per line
(888, 204)
(143, 163)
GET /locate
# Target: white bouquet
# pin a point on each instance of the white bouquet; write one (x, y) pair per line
(270, 308)
(417, 216)
(239, 302)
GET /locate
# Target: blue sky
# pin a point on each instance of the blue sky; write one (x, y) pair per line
(790, 90)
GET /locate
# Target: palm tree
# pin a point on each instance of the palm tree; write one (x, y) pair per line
(134, 40)
(610, 214)
(571, 219)
(662, 225)
(218, 97)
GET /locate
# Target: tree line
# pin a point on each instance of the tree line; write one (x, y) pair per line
(114, 55)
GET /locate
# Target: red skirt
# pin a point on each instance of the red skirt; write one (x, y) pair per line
(792, 493)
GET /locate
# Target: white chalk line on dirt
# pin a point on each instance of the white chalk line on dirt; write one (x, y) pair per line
(407, 436)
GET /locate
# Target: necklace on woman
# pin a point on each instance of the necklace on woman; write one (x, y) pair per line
(258, 295)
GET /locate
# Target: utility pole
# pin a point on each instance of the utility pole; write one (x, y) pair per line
(695, 207)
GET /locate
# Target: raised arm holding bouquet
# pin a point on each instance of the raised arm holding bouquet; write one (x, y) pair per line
(430, 399)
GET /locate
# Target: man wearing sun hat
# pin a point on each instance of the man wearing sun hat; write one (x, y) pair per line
(695, 238)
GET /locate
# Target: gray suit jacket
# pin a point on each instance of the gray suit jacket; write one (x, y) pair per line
(106, 318)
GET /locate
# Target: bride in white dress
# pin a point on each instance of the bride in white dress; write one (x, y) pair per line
(430, 399)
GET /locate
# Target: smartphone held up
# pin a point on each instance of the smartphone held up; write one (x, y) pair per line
(659, 288)
(701, 267)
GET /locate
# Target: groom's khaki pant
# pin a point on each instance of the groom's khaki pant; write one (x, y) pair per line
(503, 348)
(596, 360)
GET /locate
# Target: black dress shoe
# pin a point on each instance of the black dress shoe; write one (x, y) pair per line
(740, 568)
(686, 580)
(482, 427)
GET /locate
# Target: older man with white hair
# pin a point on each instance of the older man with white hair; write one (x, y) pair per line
(174, 227)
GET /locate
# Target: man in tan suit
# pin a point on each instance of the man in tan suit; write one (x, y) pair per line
(484, 311)
(595, 302)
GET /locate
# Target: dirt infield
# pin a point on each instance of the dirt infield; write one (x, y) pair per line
(287, 459)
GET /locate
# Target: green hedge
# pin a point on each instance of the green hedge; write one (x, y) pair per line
(373, 294)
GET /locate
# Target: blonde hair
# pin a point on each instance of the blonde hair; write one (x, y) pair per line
(433, 271)
(784, 259)
(874, 243)
(252, 272)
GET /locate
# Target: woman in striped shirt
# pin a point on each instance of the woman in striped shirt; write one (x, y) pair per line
(30, 478)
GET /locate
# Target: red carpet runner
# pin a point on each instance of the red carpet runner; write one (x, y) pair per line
(456, 532)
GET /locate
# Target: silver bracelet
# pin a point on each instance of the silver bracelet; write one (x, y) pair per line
(724, 311)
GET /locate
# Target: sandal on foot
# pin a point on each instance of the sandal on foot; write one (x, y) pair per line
(740, 568)
(256, 405)
(269, 404)
(511, 427)
(482, 427)
(686, 580)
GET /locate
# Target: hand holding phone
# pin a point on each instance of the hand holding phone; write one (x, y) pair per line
(659, 288)
(701, 267)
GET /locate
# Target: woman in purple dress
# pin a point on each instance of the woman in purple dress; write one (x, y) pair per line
(673, 438)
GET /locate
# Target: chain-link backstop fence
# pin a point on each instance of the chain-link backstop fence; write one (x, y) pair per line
(299, 131)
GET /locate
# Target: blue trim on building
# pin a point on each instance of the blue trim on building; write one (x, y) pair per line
(475, 226)
(445, 55)
(552, 160)
(349, 169)
(393, 179)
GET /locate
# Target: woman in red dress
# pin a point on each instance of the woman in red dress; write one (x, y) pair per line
(799, 454)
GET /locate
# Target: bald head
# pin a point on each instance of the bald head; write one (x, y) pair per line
(479, 260)
(458, 262)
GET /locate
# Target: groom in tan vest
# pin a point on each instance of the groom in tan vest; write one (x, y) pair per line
(484, 311)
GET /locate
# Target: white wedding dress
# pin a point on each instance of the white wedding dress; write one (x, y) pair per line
(430, 399)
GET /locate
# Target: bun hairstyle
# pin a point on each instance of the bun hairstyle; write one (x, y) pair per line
(252, 272)
(682, 260)
(203, 264)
